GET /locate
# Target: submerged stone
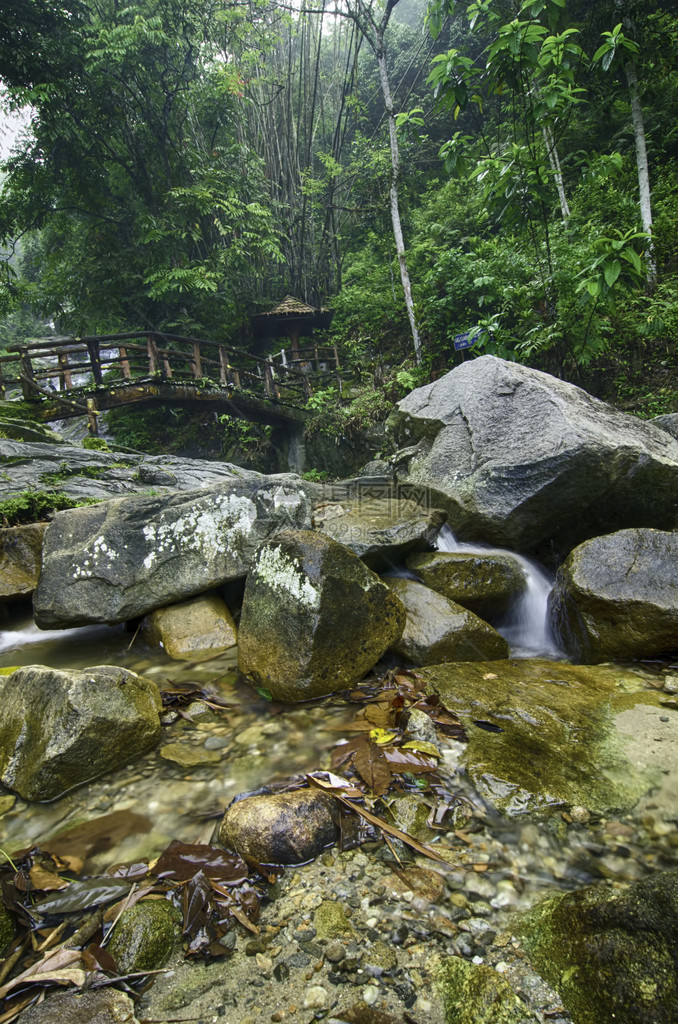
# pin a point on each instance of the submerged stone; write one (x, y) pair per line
(145, 935)
(6, 928)
(477, 994)
(487, 584)
(61, 728)
(281, 828)
(438, 630)
(101, 1006)
(612, 955)
(616, 597)
(203, 625)
(314, 618)
(545, 735)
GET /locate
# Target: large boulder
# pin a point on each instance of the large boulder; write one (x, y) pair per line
(192, 628)
(59, 729)
(487, 583)
(381, 531)
(438, 630)
(611, 954)
(617, 597)
(126, 557)
(543, 736)
(519, 458)
(20, 556)
(314, 619)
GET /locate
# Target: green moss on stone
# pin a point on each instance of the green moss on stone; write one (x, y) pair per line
(6, 928)
(477, 994)
(144, 937)
(330, 921)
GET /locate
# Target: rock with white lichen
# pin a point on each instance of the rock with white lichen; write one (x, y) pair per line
(315, 619)
(126, 557)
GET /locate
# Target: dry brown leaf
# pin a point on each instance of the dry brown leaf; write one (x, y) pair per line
(371, 764)
(45, 880)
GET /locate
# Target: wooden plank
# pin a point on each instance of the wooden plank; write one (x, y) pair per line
(65, 382)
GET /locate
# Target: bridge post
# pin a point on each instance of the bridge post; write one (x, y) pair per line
(65, 382)
(223, 366)
(92, 414)
(124, 362)
(196, 362)
(268, 380)
(28, 385)
(153, 355)
(95, 362)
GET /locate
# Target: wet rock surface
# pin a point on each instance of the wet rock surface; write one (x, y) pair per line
(380, 531)
(314, 619)
(518, 458)
(281, 828)
(438, 630)
(145, 936)
(187, 630)
(617, 597)
(487, 584)
(124, 558)
(105, 1006)
(59, 729)
(20, 556)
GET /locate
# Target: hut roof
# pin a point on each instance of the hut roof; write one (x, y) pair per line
(291, 313)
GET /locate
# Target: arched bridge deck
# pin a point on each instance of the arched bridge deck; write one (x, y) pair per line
(73, 376)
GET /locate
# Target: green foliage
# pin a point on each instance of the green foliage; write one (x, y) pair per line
(35, 506)
(95, 444)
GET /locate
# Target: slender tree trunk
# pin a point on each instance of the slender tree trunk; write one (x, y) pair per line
(643, 173)
(554, 160)
(395, 207)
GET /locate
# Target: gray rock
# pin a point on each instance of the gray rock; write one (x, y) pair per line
(438, 630)
(187, 630)
(519, 458)
(126, 557)
(668, 422)
(281, 828)
(59, 729)
(314, 619)
(20, 556)
(485, 583)
(617, 597)
(381, 531)
(101, 1006)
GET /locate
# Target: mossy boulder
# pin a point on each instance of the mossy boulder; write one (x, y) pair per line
(314, 618)
(616, 597)
(6, 928)
(487, 584)
(59, 729)
(546, 735)
(477, 994)
(612, 955)
(145, 936)
(438, 630)
(202, 625)
(20, 557)
(281, 828)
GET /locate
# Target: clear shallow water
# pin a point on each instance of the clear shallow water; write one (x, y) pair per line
(526, 628)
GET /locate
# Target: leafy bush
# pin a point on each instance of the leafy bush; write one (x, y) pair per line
(36, 506)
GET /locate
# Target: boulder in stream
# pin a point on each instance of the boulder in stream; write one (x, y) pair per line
(438, 630)
(281, 828)
(100, 1006)
(20, 557)
(381, 531)
(145, 935)
(487, 583)
(314, 618)
(61, 728)
(612, 954)
(544, 736)
(616, 597)
(519, 458)
(124, 558)
(203, 625)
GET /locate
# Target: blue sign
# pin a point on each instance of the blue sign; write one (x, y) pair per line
(468, 338)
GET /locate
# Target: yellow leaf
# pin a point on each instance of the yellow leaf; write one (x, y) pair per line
(490, 675)
(422, 747)
(382, 736)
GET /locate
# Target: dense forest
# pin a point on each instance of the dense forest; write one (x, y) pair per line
(424, 170)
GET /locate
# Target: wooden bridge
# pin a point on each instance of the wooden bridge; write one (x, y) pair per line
(74, 376)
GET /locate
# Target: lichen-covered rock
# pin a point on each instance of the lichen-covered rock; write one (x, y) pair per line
(379, 530)
(617, 597)
(611, 954)
(438, 630)
(314, 619)
(100, 1006)
(519, 458)
(281, 828)
(187, 630)
(61, 728)
(145, 935)
(547, 735)
(20, 556)
(477, 994)
(124, 558)
(485, 583)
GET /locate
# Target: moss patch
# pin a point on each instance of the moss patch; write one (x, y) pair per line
(476, 994)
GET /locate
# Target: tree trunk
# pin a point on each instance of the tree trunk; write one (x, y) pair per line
(554, 160)
(395, 208)
(643, 173)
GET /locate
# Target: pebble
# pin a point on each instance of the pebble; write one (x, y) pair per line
(370, 994)
(316, 998)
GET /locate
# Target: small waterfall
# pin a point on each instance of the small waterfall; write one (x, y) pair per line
(526, 627)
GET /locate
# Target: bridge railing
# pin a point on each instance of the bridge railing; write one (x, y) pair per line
(66, 364)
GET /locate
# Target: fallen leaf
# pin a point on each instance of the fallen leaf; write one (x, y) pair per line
(81, 895)
(371, 764)
(422, 746)
(46, 880)
(382, 736)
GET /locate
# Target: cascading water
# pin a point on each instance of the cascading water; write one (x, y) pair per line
(526, 627)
